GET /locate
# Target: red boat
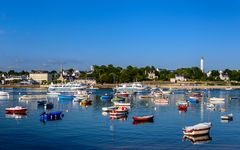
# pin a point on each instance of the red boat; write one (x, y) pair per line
(182, 107)
(16, 110)
(144, 118)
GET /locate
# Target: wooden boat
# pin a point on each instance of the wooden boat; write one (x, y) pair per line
(227, 117)
(143, 118)
(51, 116)
(108, 109)
(198, 129)
(85, 102)
(216, 99)
(66, 97)
(16, 110)
(146, 96)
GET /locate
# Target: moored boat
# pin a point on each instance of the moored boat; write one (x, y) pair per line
(122, 104)
(143, 118)
(4, 95)
(85, 102)
(41, 103)
(16, 110)
(106, 97)
(107, 109)
(146, 96)
(198, 129)
(216, 99)
(192, 100)
(161, 101)
(53, 94)
(227, 117)
(48, 105)
(51, 116)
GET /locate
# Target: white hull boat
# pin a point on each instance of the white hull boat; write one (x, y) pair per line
(198, 129)
(216, 99)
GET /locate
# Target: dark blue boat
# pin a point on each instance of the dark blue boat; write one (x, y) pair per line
(41, 103)
(51, 116)
(48, 105)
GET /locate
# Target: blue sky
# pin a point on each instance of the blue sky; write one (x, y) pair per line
(44, 34)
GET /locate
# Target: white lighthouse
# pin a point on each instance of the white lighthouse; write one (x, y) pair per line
(202, 64)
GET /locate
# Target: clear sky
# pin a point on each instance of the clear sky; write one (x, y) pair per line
(44, 34)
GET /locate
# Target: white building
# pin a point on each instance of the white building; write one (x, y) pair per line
(40, 76)
(152, 75)
(178, 78)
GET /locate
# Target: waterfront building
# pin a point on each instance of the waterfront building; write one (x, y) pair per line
(40, 76)
(152, 75)
(178, 78)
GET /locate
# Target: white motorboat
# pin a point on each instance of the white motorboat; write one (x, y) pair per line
(53, 94)
(4, 95)
(122, 104)
(227, 117)
(216, 99)
(198, 129)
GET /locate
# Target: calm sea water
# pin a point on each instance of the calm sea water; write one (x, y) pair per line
(88, 128)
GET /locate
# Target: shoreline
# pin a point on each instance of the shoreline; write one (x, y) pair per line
(165, 86)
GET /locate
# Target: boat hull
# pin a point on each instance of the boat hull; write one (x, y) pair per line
(144, 118)
(16, 111)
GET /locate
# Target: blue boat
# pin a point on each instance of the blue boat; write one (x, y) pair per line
(66, 97)
(51, 116)
(106, 97)
(192, 100)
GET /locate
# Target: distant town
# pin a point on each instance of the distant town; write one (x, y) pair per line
(109, 74)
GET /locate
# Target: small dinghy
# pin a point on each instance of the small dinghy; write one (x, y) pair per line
(48, 105)
(198, 129)
(143, 118)
(227, 117)
(16, 110)
(51, 116)
(41, 103)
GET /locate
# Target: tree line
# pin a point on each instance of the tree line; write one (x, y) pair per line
(116, 74)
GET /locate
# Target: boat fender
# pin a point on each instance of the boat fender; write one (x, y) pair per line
(62, 115)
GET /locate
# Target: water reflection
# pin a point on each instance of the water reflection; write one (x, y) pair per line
(142, 122)
(200, 139)
(15, 116)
